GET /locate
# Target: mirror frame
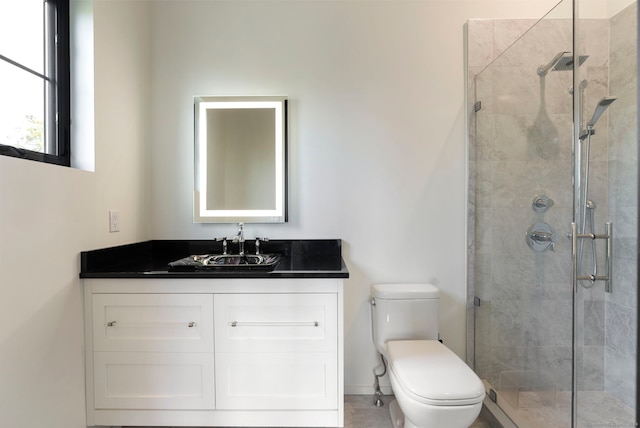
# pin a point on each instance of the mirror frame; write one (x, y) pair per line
(200, 212)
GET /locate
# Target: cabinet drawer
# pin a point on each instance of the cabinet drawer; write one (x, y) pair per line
(126, 380)
(291, 381)
(153, 322)
(276, 322)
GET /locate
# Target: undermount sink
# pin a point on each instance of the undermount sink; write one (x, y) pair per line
(232, 262)
(234, 259)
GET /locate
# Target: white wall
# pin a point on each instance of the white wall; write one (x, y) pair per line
(48, 214)
(377, 133)
(377, 148)
(615, 6)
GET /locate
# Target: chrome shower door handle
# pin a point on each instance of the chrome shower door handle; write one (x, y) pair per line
(608, 286)
(608, 273)
(573, 235)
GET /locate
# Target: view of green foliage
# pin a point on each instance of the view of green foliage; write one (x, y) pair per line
(27, 135)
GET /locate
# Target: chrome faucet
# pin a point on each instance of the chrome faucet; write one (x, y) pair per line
(239, 238)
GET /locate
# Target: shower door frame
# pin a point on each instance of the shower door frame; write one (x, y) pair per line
(577, 168)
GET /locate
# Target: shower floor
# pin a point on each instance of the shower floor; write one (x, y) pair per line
(595, 408)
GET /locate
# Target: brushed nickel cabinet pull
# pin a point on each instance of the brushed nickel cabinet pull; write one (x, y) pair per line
(190, 324)
(274, 324)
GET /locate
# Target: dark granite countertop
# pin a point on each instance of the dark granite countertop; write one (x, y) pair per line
(303, 258)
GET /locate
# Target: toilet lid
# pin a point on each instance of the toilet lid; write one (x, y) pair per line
(431, 373)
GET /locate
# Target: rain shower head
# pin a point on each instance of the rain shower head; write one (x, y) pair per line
(565, 63)
(561, 62)
(600, 108)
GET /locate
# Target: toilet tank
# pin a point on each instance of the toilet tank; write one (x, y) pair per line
(403, 312)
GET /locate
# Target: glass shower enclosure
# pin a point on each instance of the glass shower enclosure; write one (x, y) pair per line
(553, 209)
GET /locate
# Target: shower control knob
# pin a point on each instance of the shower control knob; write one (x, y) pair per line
(541, 203)
(541, 237)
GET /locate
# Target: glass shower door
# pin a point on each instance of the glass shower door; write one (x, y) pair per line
(606, 203)
(522, 160)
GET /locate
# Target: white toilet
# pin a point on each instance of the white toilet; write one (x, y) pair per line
(433, 387)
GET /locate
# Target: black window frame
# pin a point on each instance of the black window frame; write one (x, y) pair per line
(57, 43)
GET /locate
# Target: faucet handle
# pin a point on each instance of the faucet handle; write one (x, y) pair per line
(258, 243)
(224, 244)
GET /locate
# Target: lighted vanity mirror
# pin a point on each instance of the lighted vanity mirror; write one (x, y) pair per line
(240, 160)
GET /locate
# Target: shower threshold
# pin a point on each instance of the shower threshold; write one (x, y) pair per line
(595, 408)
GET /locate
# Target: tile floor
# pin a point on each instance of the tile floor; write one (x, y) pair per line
(360, 412)
(595, 409)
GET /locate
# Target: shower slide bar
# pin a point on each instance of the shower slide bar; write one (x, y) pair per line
(608, 237)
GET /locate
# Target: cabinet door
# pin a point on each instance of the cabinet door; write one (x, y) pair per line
(125, 380)
(276, 322)
(276, 351)
(276, 381)
(153, 322)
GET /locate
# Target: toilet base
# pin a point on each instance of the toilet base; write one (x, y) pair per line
(398, 420)
(397, 417)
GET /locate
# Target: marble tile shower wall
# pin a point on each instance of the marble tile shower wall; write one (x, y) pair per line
(520, 147)
(621, 313)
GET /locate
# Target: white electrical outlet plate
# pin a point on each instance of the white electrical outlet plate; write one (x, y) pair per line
(114, 221)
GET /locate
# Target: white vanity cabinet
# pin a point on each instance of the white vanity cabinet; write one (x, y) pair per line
(214, 352)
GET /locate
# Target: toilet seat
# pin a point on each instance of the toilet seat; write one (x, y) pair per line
(430, 373)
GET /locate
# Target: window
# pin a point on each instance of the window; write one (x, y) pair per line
(34, 81)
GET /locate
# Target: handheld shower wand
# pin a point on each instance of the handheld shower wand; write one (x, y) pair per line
(600, 108)
(602, 105)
